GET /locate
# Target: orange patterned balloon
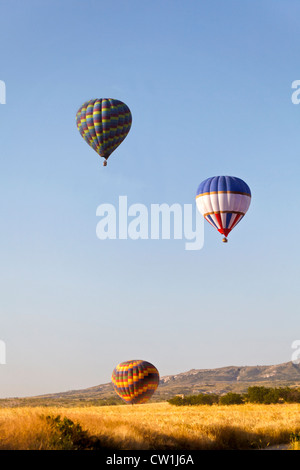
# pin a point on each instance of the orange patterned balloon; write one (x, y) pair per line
(135, 381)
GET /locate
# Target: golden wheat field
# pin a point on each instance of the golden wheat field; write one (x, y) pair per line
(158, 426)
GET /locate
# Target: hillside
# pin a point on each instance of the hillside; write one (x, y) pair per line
(220, 380)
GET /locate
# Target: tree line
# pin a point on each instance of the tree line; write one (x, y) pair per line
(264, 395)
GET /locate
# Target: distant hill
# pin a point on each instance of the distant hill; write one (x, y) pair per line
(231, 378)
(221, 380)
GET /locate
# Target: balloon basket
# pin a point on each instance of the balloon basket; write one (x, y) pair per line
(224, 240)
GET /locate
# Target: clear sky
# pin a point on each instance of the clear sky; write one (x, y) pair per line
(209, 87)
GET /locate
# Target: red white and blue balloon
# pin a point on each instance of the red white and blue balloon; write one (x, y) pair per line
(223, 201)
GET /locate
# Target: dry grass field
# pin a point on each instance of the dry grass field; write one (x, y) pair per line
(158, 426)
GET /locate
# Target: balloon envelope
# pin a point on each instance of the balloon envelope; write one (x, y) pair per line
(135, 381)
(223, 201)
(104, 123)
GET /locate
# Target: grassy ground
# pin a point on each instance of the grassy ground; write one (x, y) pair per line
(150, 426)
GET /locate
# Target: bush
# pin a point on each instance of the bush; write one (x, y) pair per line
(263, 395)
(66, 435)
(177, 401)
(231, 399)
(291, 395)
(201, 399)
(273, 395)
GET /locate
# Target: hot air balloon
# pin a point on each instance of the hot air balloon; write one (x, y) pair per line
(223, 201)
(104, 123)
(135, 381)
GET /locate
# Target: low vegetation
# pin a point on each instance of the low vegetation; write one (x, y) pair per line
(273, 395)
(61, 401)
(154, 426)
(263, 395)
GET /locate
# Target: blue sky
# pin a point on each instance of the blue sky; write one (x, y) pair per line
(209, 88)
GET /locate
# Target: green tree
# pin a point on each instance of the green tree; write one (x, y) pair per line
(231, 399)
(177, 401)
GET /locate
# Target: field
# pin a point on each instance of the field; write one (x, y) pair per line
(158, 426)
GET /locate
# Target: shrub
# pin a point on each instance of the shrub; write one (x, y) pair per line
(177, 401)
(273, 395)
(201, 399)
(66, 435)
(231, 399)
(256, 394)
